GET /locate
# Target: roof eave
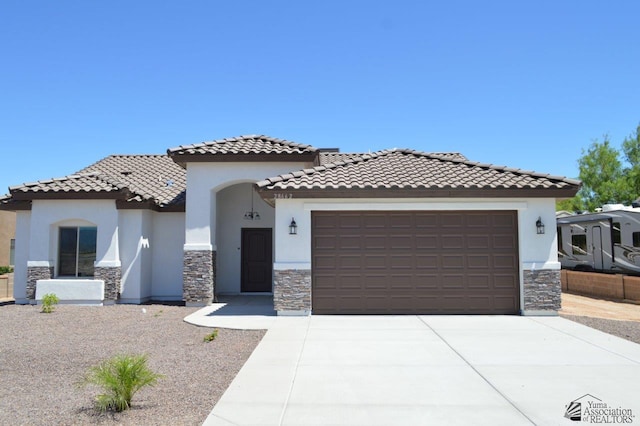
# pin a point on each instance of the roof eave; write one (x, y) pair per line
(150, 205)
(272, 194)
(69, 195)
(183, 159)
(11, 204)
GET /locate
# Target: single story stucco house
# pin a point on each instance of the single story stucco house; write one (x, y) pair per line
(396, 231)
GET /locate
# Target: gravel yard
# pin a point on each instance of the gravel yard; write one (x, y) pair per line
(629, 330)
(43, 356)
(617, 318)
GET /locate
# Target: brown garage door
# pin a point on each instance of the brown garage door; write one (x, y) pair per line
(442, 262)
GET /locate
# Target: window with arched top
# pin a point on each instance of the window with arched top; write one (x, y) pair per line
(77, 251)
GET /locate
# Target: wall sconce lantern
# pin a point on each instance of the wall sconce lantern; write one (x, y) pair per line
(293, 227)
(539, 226)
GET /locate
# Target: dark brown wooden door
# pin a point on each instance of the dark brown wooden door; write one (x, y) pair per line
(257, 261)
(423, 262)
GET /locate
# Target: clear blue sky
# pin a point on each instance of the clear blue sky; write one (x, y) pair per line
(526, 84)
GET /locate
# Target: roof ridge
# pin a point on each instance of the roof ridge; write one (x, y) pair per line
(489, 166)
(323, 167)
(243, 138)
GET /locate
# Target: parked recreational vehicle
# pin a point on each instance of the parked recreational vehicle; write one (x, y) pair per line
(607, 241)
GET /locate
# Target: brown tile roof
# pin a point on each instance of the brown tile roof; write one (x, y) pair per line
(248, 146)
(154, 179)
(147, 177)
(402, 169)
(332, 157)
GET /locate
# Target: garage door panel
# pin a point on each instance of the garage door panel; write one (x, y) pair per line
(503, 220)
(374, 221)
(505, 303)
(479, 242)
(401, 282)
(375, 242)
(325, 262)
(374, 261)
(350, 262)
(478, 221)
(324, 282)
(478, 261)
(479, 302)
(349, 242)
(456, 242)
(452, 281)
(426, 282)
(401, 261)
(504, 281)
(400, 242)
(452, 261)
(427, 242)
(479, 282)
(327, 242)
(349, 221)
(400, 221)
(426, 221)
(505, 261)
(415, 262)
(375, 281)
(507, 242)
(426, 261)
(451, 220)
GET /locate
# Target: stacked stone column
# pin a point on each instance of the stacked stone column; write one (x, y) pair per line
(198, 277)
(35, 273)
(542, 290)
(112, 277)
(292, 291)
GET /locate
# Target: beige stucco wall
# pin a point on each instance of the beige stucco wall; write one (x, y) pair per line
(7, 233)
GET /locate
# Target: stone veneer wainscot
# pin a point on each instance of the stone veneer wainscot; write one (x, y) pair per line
(292, 291)
(35, 273)
(542, 290)
(198, 277)
(112, 277)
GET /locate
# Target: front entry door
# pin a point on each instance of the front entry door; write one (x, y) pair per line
(257, 262)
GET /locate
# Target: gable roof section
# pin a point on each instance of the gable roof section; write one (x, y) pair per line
(243, 148)
(134, 181)
(407, 173)
(325, 158)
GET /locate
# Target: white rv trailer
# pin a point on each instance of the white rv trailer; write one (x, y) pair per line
(607, 241)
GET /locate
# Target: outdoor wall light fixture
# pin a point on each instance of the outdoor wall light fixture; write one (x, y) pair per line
(293, 227)
(539, 226)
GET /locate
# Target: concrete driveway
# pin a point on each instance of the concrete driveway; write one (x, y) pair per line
(414, 370)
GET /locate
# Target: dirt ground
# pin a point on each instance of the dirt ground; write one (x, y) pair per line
(575, 305)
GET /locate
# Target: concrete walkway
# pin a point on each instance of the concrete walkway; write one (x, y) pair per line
(415, 370)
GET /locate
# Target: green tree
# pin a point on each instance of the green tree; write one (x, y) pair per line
(603, 178)
(631, 150)
(573, 204)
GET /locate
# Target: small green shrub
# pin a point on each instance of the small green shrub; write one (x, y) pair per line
(49, 301)
(5, 270)
(211, 336)
(120, 377)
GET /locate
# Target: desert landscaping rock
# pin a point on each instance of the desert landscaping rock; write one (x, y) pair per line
(43, 356)
(617, 318)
